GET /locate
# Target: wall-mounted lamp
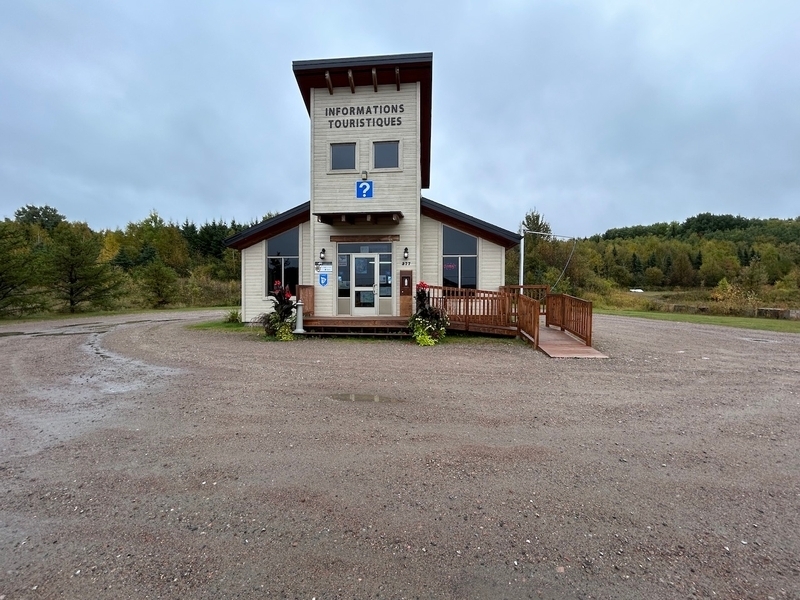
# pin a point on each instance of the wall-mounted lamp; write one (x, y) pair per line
(405, 252)
(322, 254)
(364, 175)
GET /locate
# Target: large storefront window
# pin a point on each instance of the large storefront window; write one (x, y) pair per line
(459, 259)
(283, 260)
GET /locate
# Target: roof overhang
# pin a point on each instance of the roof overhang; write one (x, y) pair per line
(394, 69)
(270, 228)
(388, 217)
(469, 224)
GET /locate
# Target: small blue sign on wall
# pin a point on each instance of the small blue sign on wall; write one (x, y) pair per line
(323, 279)
(364, 189)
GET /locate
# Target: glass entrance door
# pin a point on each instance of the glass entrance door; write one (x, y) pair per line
(365, 284)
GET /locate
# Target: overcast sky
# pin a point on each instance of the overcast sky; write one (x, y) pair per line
(599, 114)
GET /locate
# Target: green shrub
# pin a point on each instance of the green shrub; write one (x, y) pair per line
(429, 324)
(233, 316)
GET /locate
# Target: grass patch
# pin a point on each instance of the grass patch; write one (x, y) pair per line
(89, 314)
(224, 326)
(466, 337)
(779, 325)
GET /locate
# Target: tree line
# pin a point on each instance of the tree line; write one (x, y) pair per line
(48, 263)
(760, 256)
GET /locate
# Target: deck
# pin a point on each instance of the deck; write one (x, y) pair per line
(367, 326)
(552, 341)
(560, 344)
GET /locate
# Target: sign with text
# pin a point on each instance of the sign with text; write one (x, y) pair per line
(323, 267)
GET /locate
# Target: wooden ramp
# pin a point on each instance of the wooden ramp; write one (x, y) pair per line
(559, 344)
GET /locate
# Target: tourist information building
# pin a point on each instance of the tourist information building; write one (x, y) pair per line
(367, 236)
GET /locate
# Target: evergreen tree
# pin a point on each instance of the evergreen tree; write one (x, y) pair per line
(159, 283)
(17, 269)
(45, 216)
(73, 270)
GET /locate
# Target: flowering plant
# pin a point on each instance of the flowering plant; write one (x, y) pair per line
(423, 297)
(429, 324)
(280, 322)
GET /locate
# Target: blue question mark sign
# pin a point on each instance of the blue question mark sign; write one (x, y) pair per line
(364, 189)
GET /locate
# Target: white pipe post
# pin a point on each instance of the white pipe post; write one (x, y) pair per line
(521, 257)
(299, 325)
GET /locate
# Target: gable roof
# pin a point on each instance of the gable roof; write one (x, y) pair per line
(449, 216)
(394, 69)
(302, 213)
(270, 228)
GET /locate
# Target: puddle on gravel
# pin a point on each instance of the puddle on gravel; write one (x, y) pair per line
(362, 398)
(759, 340)
(81, 324)
(79, 402)
(65, 333)
(8, 333)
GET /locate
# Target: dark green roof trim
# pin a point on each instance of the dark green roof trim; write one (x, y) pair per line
(271, 227)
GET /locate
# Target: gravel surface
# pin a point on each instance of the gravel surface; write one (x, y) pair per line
(142, 459)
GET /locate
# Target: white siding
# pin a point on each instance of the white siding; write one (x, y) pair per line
(491, 265)
(306, 260)
(395, 190)
(491, 258)
(431, 243)
(254, 299)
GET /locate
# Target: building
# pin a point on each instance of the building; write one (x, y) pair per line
(367, 236)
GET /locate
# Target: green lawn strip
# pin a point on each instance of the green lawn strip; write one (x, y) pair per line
(62, 316)
(225, 326)
(780, 325)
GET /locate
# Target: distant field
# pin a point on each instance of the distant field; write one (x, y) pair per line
(780, 325)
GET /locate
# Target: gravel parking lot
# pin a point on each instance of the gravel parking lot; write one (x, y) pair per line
(142, 459)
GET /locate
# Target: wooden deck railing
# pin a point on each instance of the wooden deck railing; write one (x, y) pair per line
(468, 306)
(480, 309)
(536, 292)
(528, 319)
(571, 314)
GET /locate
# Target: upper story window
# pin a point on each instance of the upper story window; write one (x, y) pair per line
(343, 157)
(386, 155)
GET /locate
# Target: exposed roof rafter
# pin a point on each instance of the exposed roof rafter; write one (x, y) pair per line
(375, 71)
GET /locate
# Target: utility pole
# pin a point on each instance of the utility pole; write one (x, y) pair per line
(522, 232)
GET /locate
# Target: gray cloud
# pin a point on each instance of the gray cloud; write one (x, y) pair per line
(598, 114)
